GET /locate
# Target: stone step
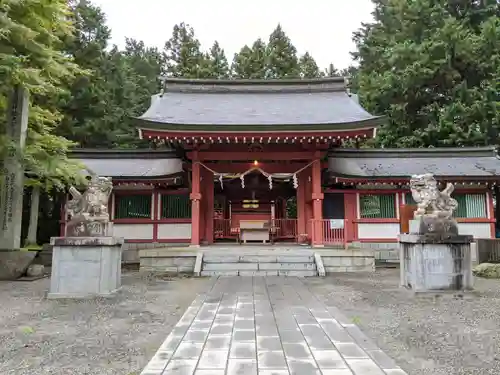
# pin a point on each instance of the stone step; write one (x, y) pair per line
(291, 273)
(249, 258)
(258, 266)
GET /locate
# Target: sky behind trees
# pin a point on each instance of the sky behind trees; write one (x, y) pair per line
(322, 28)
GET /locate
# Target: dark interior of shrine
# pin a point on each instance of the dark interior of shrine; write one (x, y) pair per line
(256, 187)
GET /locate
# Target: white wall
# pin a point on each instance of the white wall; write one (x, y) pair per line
(478, 230)
(174, 231)
(378, 230)
(133, 231)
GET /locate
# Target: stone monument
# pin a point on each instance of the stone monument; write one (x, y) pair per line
(87, 261)
(13, 263)
(434, 256)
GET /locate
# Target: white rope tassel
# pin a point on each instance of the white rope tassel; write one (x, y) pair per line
(221, 183)
(295, 181)
(270, 179)
(242, 178)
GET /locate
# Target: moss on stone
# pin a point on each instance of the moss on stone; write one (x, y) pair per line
(487, 270)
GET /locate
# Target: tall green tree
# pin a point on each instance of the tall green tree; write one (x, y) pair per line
(432, 68)
(282, 61)
(251, 62)
(351, 73)
(308, 66)
(183, 54)
(85, 107)
(99, 111)
(331, 71)
(32, 35)
(217, 64)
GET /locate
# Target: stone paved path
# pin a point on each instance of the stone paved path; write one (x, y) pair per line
(266, 326)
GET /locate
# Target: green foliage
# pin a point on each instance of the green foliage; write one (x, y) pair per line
(331, 71)
(218, 66)
(86, 94)
(282, 61)
(433, 68)
(251, 62)
(100, 110)
(183, 54)
(308, 67)
(32, 34)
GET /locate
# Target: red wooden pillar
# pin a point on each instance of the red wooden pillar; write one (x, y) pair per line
(301, 206)
(317, 204)
(351, 212)
(308, 204)
(195, 202)
(208, 184)
(491, 214)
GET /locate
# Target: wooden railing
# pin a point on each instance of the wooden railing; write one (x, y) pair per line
(284, 229)
(332, 232)
(223, 230)
(281, 229)
(488, 250)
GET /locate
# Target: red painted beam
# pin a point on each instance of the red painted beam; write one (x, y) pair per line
(257, 135)
(266, 167)
(261, 156)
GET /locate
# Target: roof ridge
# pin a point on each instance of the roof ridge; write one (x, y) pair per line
(121, 153)
(281, 81)
(485, 151)
(261, 86)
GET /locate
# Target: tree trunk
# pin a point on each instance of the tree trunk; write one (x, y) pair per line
(34, 208)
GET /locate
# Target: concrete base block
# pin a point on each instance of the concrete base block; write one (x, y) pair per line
(355, 261)
(14, 263)
(85, 267)
(427, 266)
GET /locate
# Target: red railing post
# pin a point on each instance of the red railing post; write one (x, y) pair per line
(346, 225)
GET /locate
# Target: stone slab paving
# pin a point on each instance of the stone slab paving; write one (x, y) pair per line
(266, 326)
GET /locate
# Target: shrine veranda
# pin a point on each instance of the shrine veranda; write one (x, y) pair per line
(271, 154)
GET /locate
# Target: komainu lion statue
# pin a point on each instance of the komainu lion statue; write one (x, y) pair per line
(430, 201)
(92, 204)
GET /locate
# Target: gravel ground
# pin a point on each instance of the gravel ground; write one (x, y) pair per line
(425, 335)
(116, 336)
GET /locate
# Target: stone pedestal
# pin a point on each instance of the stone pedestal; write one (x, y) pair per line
(85, 267)
(433, 263)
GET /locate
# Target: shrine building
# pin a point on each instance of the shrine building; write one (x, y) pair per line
(277, 161)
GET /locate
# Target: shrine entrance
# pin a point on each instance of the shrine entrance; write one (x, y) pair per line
(255, 208)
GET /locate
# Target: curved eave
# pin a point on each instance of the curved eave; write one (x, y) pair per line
(149, 124)
(363, 179)
(149, 178)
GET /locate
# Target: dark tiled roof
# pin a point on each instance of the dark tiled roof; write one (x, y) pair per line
(129, 163)
(256, 102)
(445, 162)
